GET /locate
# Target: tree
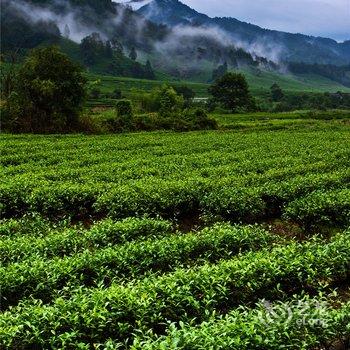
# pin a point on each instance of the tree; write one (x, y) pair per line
(108, 49)
(186, 92)
(8, 72)
(49, 93)
(117, 46)
(133, 54)
(232, 92)
(149, 73)
(277, 94)
(168, 102)
(220, 71)
(124, 116)
(91, 48)
(124, 108)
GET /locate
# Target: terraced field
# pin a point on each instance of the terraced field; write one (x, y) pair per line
(235, 239)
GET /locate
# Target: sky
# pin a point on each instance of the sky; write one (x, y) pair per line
(327, 18)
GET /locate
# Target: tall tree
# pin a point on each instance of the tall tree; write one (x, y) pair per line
(277, 93)
(108, 49)
(117, 46)
(133, 54)
(91, 48)
(149, 71)
(220, 71)
(185, 91)
(232, 92)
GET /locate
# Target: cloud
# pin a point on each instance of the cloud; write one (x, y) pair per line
(68, 17)
(329, 18)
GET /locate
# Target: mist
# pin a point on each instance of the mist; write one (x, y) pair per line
(179, 41)
(69, 17)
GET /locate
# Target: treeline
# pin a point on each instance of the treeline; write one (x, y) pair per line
(111, 19)
(109, 56)
(340, 74)
(279, 101)
(48, 92)
(19, 33)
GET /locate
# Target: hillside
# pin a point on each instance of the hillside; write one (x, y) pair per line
(191, 46)
(259, 84)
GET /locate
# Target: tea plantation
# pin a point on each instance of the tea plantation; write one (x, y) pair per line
(230, 239)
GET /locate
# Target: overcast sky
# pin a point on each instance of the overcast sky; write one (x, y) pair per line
(317, 17)
(329, 18)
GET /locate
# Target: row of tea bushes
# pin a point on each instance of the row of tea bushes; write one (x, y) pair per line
(184, 295)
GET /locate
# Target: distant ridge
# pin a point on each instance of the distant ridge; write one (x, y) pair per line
(293, 47)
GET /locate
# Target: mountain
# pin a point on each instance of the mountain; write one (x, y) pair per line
(272, 44)
(172, 13)
(174, 38)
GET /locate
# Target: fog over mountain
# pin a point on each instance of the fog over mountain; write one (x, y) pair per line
(176, 38)
(272, 44)
(311, 17)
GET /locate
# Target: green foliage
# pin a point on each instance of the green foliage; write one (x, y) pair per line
(197, 119)
(310, 323)
(44, 240)
(18, 32)
(337, 73)
(149, 71)
(324, 101)
(232, 92)
(182, 296)
(185, 91)
(259, 174)
(276, 93)
(106, 57)
(95, 93)
(48, 95)
(170, 114)
(93, 49)
(321, 208)
(133, 54)
(193, 282)
(168, 102)
(220, 71)
(124, 108)
(107, 262)
(124, 117)
(117, 94)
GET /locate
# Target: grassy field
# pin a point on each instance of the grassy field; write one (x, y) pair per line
(260, 84)
(168, 240)
(130, 85)
(274, 121)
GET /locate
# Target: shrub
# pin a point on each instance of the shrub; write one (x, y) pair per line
(199, 119)
(95, 93)
(124, 117)
(124, 108)
(185, 91)
(117, 94)
(169, 102)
